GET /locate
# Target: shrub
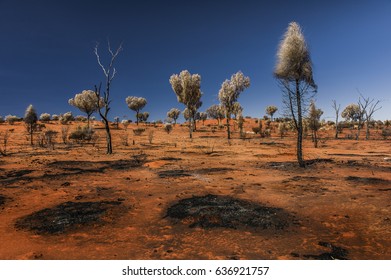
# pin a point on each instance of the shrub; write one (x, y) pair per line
(66, 118)
(386, 132)
(150, 136)
(55, 117)
(1, 119)
(64, 134)
(138, 131)
(125, 123)
(256, 129)
(80, 119)
(82, 134)
(47, 138)
(44, 117)
(168, 128)
(11, 119)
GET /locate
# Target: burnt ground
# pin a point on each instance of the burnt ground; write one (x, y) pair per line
(224, 211)
(66, 217)
(206, 198)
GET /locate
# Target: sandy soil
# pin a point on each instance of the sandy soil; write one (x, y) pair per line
(337, 207)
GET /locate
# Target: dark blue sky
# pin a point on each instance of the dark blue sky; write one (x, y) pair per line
(46, 51)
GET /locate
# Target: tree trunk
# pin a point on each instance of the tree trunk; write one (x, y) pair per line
(299, 127)
(109, 149)
(228, 129)
(31, 134)
(190, 128)
(367, 131)
(336, 127)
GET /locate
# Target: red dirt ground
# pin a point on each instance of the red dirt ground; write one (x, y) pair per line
(342, 200)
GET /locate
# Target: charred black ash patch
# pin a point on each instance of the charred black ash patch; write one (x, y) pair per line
(337, 253)
(65, 217)
(212, 211)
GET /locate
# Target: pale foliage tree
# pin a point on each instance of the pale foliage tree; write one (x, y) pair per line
(314, 124)
(187, 88)
(87, 102)
(237, 110)
(294, 72)
(229, 94)
(125, 123)
(66, 117)
(144, 117)
(203, 117)
(271, 110)
(186, 114)
(215, 112)
(30, 119)
(109, 72)
(352, 113)
(136, 104)
(11, 119)
(44, 117)
(174, 114)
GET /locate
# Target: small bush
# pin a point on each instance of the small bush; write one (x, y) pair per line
(45, 117)
(138, 131)
(55, 117)
(168, 128)
(11, 119)
(66, 118)
(256, 129)
(386, 132)
(82, 134)
(1, 119)
(150, 136)
(80, 119)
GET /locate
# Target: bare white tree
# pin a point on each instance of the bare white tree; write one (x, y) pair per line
(229, 94)
(109, 72)
(294, 72)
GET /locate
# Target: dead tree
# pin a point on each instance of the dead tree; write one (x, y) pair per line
(109, 71)
(369, 107)
(336, 109)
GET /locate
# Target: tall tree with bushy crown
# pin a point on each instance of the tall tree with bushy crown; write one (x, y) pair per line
(87, 102)
(294, 72)
(229, 94)
(187, 88)
(30, 119)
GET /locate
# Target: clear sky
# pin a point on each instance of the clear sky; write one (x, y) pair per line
(46, 51)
